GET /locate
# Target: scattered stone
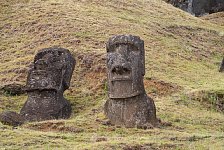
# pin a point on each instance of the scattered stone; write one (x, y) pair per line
(100, 139)
(104, 122)
(11, 118)
(13, 89)
(128, 104)
(145, 126)
(164, 124)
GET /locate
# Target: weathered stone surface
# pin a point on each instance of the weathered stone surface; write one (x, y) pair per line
(199, 7)
(128, 105)
(222, 66)
(46, 82)
(11, 118)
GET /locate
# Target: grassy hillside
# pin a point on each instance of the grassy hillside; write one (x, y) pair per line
(216, 18)
(183, 54)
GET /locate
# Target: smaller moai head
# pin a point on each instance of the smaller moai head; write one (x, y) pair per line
(52, 70)
(126, 66)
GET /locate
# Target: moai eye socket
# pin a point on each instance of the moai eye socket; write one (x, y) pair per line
(60, 53)
(133, 48)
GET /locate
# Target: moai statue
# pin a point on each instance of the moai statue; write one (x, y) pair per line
(46, 82)
(128, 104)
(221, 69)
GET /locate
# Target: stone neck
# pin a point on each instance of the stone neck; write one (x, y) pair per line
(133, 98)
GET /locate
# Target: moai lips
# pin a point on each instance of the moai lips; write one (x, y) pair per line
(128, 105)
(46, 82)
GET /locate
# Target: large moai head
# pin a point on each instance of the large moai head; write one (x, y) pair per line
(126, 66)
(47, 80)
(52, 70)
(128, 104)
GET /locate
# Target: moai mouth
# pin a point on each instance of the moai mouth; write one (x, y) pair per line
(121, 73)
(121, 80)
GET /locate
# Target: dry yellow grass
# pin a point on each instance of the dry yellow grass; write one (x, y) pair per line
(181, 50)
(216, 18)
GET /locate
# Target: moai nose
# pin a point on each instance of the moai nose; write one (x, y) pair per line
(121, 68)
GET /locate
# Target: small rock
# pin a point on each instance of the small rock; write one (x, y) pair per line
(14, 89)
(106, 123)
(11, 118)
(100, 139)
(145, 126)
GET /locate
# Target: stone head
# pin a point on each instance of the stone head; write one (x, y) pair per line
(52, 70)
(126, 66)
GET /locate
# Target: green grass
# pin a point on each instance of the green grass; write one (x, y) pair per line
(181, 50)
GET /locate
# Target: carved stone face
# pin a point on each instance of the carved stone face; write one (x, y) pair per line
(47, 80)
(126, 66)
(52, 70)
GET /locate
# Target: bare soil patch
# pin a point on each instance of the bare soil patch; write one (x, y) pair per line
(160, 88)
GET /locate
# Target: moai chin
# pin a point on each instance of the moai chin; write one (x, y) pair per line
(128, 104)
(46, 82)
